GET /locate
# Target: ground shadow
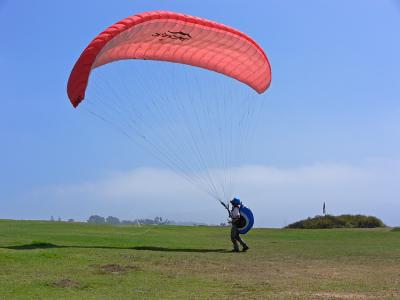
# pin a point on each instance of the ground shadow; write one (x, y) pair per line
(149, 248)
(33, 246)
(41, 245)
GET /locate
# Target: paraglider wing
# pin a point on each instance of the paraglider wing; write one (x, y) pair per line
(174, 37)
(248, 220)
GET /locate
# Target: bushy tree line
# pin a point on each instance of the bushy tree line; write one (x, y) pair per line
(342, 221)
(95, 219)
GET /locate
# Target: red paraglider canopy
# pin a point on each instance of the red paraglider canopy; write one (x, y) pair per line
(174, 37)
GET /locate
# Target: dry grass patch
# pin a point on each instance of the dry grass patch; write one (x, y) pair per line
(66, 283)
(116, 268)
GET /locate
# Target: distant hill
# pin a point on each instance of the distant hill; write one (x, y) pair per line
(342, 221)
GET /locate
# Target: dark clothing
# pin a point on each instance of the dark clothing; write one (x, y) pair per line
(237, 222)
(235, 237)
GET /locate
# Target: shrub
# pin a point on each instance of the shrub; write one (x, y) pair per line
(342, 221)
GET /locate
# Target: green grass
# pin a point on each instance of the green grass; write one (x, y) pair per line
(82, 261)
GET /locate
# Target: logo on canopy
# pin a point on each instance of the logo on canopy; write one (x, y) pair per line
(174, 35)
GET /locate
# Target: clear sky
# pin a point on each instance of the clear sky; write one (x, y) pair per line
(330, 128)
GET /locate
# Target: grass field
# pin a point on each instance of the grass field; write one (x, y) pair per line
(59, 260)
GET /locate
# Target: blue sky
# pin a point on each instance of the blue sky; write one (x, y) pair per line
(329, 130)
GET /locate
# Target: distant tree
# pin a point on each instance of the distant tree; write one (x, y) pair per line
(52, 219)
(127, 222)
(146, 221)
(112, 220)
(139, 222)
(59, 219)
(95, 219)
(166, 222)
(71, 220)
